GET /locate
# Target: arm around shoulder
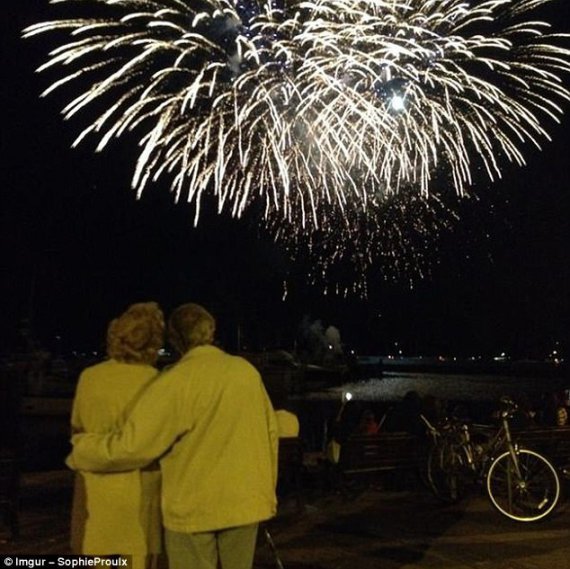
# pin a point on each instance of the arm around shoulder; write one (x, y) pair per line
(148, 433)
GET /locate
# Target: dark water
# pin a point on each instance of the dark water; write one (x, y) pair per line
(394, 385)
(476, 394)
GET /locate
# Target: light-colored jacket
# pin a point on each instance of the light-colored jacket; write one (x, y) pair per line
(210, 420)
(113, 513)
(287, 423)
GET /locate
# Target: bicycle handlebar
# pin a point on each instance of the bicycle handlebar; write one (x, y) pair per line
(510, 407)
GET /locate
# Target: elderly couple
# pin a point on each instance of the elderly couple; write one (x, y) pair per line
(192, 450)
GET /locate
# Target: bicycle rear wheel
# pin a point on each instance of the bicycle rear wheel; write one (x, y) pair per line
(445, 474)
(526, 498)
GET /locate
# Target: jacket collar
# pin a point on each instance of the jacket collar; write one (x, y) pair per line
(200, 351)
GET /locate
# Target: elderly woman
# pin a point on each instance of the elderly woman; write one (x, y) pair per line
(119, 513)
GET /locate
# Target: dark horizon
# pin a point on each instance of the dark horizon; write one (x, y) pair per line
(78, 247)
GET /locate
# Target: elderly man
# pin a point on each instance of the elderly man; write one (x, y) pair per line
(210, 423)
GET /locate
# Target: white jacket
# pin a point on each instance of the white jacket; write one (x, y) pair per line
(120, 512)
(210, 421)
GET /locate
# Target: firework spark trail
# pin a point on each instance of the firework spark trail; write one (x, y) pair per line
(317, 104)
(394, 239)
(320, 111)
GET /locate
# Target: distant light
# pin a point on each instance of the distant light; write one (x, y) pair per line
(398, 103)
(348, 396)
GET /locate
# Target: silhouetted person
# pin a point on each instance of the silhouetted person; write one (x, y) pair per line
(367, 424)
(405, 416)
(433, 409)
(553, 410)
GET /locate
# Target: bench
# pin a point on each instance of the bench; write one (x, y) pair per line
(365, 456)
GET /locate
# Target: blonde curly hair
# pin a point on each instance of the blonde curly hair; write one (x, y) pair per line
(136, 335)
(190, 325)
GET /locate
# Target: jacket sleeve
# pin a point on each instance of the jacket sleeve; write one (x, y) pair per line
(149, 431)
(273, 431)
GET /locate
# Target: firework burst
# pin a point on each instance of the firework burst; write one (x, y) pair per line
(308, 106)
(335, 118)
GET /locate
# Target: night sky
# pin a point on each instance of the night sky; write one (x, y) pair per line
(77, 247)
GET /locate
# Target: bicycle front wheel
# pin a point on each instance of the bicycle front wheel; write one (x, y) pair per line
(526, 494)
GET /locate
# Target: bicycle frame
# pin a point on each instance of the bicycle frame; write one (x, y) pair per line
(500, 441)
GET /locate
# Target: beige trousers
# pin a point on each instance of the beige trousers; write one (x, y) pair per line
(233, 548)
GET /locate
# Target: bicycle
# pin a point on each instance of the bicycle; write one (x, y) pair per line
(521, 483)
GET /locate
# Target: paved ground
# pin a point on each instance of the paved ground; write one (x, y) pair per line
(379, 529)
(397, 530)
